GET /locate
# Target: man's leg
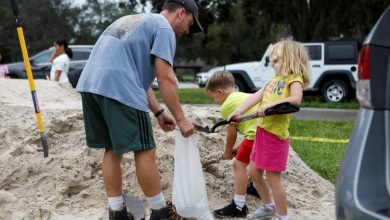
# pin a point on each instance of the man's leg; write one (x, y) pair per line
(149, 177)
(112, 173)
(147, 171)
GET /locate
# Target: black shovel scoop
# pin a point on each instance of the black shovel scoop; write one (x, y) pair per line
(282, 108)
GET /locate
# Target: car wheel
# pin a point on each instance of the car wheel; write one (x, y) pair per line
(335, 91)
(240, 87)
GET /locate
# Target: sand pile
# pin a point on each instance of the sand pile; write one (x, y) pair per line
(68, 184)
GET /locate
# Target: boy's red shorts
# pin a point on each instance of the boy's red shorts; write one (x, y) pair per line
(244, 151)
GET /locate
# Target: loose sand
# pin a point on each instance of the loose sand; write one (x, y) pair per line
(68, 184)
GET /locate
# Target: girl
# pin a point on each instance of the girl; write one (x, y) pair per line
(270, 150)
(61, 61)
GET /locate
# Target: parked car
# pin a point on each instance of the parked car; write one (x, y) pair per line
(40, 64)
(363, 183)
(202, 77)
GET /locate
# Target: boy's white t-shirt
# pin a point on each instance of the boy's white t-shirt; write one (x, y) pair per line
(60, 63)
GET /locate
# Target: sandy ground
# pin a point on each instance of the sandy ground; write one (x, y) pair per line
(68, 184)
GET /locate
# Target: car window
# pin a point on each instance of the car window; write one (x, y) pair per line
(314, 52)
(341, 52)
(80, 55)
(42, 58)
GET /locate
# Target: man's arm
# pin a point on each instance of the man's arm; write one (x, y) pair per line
(167, 86)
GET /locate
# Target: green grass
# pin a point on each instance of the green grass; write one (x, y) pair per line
(316, 102)
(190, 96)
(322, 157)
(199, 96)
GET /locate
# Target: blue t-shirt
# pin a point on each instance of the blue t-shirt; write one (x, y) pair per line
(121, 64)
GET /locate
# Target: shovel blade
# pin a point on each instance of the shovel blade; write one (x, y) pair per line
(202, 129)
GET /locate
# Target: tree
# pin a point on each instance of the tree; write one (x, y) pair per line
(318, 20)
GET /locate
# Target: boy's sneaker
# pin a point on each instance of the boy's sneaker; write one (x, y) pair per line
(119, 215)
(167, 213)
(251, 190)
(262, 212)
(231, 210)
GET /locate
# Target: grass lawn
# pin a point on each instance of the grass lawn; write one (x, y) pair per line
(321, 144)
(199, 96)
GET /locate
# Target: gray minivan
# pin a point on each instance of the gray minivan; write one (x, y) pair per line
(363, 183)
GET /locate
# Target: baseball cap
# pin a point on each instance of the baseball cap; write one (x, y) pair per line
(190, 6)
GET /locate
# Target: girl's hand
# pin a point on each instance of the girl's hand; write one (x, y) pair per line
(234, 115)
(261, 110)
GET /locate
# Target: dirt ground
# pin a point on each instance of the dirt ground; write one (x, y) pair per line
(68, 184)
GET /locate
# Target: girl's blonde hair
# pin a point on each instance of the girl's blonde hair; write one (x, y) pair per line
(294, 59)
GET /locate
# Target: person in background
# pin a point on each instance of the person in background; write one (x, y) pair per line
(3, 67)
(61, 60)
(116, 92)
(270, 150)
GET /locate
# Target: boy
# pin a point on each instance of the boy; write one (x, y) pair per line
(221, 88)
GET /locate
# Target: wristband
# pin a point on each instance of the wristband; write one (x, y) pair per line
(159, 113)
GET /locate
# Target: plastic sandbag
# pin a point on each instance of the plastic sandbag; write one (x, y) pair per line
(189, 189)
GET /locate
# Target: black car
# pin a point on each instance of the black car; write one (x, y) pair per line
(40, 64)
(363, 183)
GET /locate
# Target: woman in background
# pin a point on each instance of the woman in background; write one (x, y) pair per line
(61, 61)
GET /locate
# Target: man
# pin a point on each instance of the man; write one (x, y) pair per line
(116, 94)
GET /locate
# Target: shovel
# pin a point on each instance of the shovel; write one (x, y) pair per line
(23, 47)
(282, 108)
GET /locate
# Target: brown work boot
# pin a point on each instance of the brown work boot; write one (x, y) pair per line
(119, 215)
(167, 213)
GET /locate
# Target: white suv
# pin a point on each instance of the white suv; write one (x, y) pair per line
(333, 70)
(202, 77)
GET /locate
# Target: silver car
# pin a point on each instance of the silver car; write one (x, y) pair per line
(363, 183)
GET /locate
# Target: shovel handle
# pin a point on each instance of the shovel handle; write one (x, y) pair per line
(15, 10)
(246, 117)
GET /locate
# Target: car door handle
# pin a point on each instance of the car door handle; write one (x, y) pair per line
(316, 65)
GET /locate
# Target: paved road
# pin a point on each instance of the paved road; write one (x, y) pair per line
(326, 114)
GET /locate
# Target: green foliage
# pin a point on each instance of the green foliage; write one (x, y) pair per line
(45, 20)
(323, 157)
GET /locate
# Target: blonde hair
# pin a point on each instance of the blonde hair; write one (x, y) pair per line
(294, 59)
(220, 80)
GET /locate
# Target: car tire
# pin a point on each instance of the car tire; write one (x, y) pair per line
(240, 86)
(335, 91)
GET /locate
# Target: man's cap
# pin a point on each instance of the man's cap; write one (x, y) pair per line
(190, 6)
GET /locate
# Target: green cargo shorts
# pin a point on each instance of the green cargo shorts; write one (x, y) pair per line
(111, 124)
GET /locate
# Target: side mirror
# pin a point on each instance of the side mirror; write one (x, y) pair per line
(32, 62)
(266, 61)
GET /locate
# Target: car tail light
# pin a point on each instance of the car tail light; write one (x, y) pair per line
(363, 90)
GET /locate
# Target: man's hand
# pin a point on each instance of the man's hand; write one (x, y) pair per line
(186, 127)
(166, 122)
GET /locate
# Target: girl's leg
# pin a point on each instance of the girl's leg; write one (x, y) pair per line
(279, 195)
(240, 177)
(261, 185)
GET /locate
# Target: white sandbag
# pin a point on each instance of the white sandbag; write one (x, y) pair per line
(189, 189)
